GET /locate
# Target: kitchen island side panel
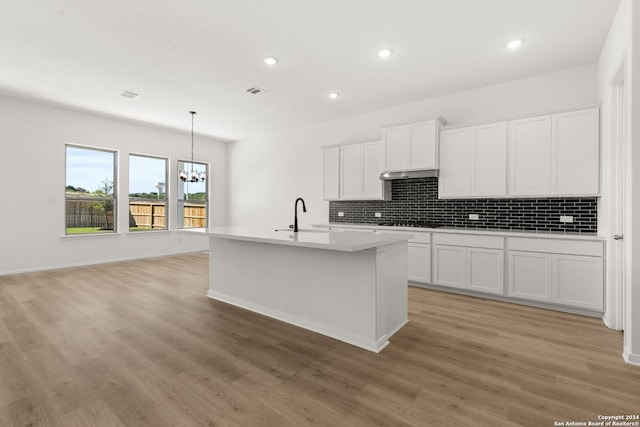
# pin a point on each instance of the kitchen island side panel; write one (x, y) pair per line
(357, 297)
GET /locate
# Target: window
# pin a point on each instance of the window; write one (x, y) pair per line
(147, 193)
(192, 196)
(90, 201)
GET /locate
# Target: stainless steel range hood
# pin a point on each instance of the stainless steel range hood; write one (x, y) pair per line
(426, 173)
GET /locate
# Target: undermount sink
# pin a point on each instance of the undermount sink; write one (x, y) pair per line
(303, 230)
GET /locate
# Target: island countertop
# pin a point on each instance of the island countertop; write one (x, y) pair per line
(347, 241)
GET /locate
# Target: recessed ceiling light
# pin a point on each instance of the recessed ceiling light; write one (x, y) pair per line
(385, 53)
(334, 95)
(270, 60)
(515, 43)
(129, 94)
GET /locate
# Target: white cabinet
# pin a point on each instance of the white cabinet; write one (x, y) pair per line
(331, 173)
(555, 155)
(529, 275)
(352, 172)
(455, 163)
(412, 146)
(575, 161)
(530, 156)
(472, 262)
(450, 266)
(561, 272)
(473, 162)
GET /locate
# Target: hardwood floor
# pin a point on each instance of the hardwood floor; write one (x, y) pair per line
(139, 344)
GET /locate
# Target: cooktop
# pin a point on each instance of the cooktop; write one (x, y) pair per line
(419, 224)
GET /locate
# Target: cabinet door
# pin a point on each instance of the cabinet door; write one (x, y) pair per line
(485, 270)
(423, 145)
(529, 275)
(530, 156)
(419, 262)
(578, 281)
(331, 171)
(455, 163)
(371, 169)
(576, 153)
(489, 162)
(396, 148)
(449, 266)
(351, 185)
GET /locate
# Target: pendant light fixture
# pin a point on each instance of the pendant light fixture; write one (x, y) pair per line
(194, 176)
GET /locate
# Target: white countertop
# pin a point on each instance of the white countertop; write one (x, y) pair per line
(477, 231)
(348, 241)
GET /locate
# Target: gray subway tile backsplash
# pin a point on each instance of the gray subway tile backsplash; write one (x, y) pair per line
(417, 200)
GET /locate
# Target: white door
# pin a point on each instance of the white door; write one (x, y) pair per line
(489, 161)
(455, 163)
(615, 297)
(450, 266)
(419, 262)
(577, 281)
(396, 148)
(575, 160)
(423, 145)
(351, 172)
(529, 275)
(485, 270)
(530, 156)
(371, 169)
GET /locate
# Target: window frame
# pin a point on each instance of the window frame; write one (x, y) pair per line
(180, 201)
(114, 192)
(166, 194)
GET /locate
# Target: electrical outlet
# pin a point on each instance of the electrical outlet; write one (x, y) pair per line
(378, 214)
(340, 213)
(474, 217)
(566, 218)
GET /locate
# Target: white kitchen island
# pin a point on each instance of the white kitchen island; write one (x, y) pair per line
(350, 286)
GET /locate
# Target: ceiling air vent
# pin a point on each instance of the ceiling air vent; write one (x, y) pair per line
(129, 94)
(255, 90)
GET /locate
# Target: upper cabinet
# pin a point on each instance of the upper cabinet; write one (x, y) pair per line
(352, 172)
(412, 146)
(556, 155)
(550, 155)
(473, 162)
(575, 155)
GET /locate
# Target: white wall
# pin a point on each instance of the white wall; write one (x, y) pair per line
(32, 181)
(267, 174)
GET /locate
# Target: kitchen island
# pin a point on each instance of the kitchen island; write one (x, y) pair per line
(350, 286)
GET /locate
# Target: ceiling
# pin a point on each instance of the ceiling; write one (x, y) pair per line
(202, 55)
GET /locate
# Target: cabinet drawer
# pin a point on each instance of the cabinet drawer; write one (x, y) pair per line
(469, 240)
(418, 237)
(556, 246)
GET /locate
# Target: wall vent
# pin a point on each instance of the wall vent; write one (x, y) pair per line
(254, 90)
(129, 94)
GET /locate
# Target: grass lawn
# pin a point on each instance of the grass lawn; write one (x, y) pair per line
(87, 230)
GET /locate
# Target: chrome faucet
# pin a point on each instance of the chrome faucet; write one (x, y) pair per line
(304, 209)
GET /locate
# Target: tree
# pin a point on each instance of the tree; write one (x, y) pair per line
(105, 206)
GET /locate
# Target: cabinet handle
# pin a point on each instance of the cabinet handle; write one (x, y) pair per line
(618, 237)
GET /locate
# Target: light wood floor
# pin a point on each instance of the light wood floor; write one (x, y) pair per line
(138, 343)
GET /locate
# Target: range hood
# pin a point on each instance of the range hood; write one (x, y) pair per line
(426, 173)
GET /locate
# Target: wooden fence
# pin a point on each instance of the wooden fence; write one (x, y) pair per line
(142, 215)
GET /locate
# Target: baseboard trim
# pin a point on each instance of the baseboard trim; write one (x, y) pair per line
(631, 358)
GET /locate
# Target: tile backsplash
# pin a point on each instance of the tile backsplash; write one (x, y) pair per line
(417, 200)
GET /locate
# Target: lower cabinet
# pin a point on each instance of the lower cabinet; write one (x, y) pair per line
(572, 276)
(419, 262)
(479, 268)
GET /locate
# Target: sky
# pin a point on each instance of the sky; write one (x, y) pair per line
(87, 168)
